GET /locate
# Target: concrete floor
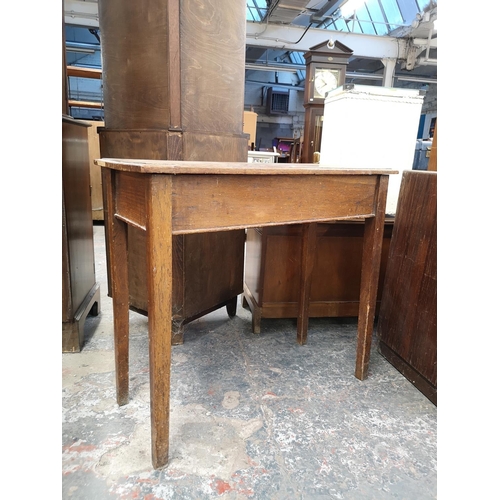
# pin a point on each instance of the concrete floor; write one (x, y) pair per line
(252, 416)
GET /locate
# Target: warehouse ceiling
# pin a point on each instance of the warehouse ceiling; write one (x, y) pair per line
(396, 34)
(394, 42)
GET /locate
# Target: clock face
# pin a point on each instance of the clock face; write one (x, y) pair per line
(324, 81)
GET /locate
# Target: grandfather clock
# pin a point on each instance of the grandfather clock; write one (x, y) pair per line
(325, 70)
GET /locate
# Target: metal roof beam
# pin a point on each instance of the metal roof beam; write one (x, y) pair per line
(327, 10)
(283, 37)
(80, 13)
(297, 38)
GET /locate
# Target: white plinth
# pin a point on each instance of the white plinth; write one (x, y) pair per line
(372, 127)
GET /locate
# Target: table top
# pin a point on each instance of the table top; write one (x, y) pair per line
(233, 168)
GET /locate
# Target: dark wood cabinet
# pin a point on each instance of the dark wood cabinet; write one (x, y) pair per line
(165, 98)
(407, 323)
(80, 292)
(272, 270)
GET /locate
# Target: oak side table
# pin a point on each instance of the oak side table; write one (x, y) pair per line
(165, 198)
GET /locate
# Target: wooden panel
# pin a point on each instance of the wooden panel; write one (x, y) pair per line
(67, 309)
(137, 270)
(131, 198)
(408, 322)
(173, 63)
(229, 200)
(272, 260)
(184, 278)
(207, 272)
(140, 144)
(282, 260)
(204, 25)
(218, 279)
(95, 170)
(217, 147)
(317, 309)
(337, 271)
(134, 41)
(76, 192)
(250, 125)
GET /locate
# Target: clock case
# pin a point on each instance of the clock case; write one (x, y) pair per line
(326, 55)
(322, 56)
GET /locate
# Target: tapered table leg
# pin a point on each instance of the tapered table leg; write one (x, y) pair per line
(370, 270)
(119, 289)
(159, 265)
(308, 253)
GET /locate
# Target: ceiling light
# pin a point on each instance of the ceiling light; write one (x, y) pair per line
(350, 7)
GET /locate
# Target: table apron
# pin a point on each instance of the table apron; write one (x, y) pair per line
(202, 203)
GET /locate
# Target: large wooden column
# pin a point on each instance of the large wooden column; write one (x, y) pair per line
(173, 89)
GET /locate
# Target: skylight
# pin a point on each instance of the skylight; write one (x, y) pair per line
(373, 17)
(256, 10)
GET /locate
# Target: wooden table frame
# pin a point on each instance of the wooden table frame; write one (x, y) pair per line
(164, 198)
